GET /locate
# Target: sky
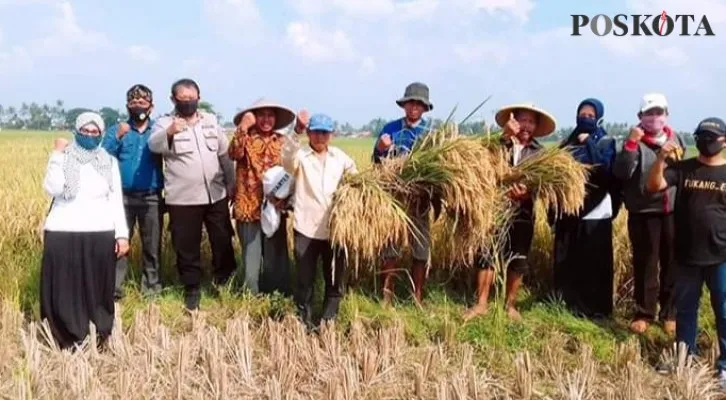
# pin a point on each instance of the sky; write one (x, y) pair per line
(352, 59)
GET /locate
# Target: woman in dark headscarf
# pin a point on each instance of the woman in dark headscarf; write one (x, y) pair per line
(583, 265)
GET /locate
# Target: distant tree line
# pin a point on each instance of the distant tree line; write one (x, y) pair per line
(54, 116)
(47, 117)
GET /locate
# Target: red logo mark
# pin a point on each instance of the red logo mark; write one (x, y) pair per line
(663, 18)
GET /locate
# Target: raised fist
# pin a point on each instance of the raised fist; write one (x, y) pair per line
(60, 144)
(670, 147)
(303, 117)
(248, 121)
(636, 133)
(123, 129)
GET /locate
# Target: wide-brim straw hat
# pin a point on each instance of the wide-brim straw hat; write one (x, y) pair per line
(545, 126)
(283, 115)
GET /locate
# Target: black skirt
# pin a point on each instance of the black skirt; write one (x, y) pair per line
(77, 284)
(583, 265)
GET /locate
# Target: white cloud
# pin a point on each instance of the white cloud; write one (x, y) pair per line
(417, 9)
(15, 59)
(368, 65)
(482, 51)
(367, 9)
(673, 50)
(233, 18)
(308, 7)
(714, 10)
(520, 9)
(67, 35)
(318, 45)
(373, 8)
(64, 37)
(143, 53)
(672, 55)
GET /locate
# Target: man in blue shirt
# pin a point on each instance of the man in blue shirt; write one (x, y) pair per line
(396, 139)
(142, 181)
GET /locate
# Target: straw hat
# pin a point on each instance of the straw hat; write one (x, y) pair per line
(283, 115)
(547, 123)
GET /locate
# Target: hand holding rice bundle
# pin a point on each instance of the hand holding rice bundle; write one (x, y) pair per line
(468, 178)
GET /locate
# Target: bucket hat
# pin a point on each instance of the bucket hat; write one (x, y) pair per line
(416, 91)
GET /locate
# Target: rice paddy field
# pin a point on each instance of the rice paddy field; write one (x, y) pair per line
(244, 347)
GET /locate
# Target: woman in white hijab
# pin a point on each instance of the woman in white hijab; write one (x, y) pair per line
(85, 231)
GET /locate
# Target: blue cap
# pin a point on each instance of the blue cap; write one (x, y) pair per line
(321, 122)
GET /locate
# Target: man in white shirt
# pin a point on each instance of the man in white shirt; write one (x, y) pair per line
(318, 169)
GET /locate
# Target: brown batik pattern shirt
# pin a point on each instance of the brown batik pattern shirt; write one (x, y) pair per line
(254, 154)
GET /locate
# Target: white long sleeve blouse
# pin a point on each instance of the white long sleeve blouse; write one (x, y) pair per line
(96, 207)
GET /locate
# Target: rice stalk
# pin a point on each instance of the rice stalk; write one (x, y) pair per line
(524, 383)
(365, 218)
(555, 178)
(454, 172)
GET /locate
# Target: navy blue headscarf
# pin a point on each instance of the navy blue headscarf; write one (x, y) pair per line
(590, 152)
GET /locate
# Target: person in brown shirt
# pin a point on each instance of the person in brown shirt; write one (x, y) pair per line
(256, 147)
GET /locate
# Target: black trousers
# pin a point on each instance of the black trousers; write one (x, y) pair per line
(307, 253)
(76, 284)
(652, 237)
(516, 245)
(583, 265)
(186, 235)
(148, 211)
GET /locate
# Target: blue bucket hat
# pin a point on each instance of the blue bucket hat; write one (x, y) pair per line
(321, 122)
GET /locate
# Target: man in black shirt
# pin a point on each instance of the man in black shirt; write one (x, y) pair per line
(700, 220)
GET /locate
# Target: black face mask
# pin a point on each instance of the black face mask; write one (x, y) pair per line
(708, 146)
(186, 108)
(138, 114)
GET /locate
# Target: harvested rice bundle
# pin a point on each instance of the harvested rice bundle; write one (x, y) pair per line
(365, 218)
(498, 154)
(460, 172)
(459, 244)
(554, 177)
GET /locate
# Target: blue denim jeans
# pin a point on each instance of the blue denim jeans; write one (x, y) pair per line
(689, 285)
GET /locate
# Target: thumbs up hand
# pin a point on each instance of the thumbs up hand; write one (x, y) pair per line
(511, 128)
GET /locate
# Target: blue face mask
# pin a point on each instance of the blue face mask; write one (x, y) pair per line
(587, 125)
(88, 142)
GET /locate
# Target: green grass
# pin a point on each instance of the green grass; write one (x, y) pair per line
(23, 157)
